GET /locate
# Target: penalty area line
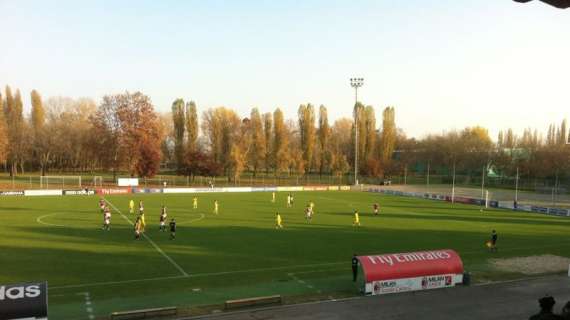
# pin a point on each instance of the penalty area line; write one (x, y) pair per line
(151, 242)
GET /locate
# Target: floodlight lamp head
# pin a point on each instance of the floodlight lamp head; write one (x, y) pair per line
(356, 82)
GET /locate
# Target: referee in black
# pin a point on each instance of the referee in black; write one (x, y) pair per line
(354, 267)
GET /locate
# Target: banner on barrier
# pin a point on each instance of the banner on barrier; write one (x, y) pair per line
(127, 182)
(237, 189)
(289, 188)
(11, 193)
(85, 192)
(24, 301)
(109, 191)
(179, 190)
(43, 192)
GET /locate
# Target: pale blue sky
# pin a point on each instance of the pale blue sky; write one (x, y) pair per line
(443, 64)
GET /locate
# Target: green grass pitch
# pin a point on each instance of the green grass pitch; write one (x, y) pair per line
(239, 253)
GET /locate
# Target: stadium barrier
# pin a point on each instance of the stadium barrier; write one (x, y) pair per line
(43, 193)
(411, 271)
(253, 302)
(289, 188)
(474, 201)
(145, 313)
(11, 193)
(147, 190)
(129, 190)
(84, 192)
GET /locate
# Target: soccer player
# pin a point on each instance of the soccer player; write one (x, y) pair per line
(215, 206)
(195, 203)
(356, 219)
(107, 219)
(376, 208)
(138, 228)
(312, 206)
(308, 214)
(494, 241)
(163, 219)
(172, 229)
(273, 197)
(292, 199)
(289, 201)
(102, 205)
(132, 207)
(278, 221)
(141, 217)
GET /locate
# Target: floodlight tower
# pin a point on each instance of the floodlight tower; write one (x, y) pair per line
(356, 83)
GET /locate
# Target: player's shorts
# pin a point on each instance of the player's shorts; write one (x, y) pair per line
(107, 221)
(162, 223)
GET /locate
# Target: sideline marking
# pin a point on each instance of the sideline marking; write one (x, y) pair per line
(88, 307)
(195, 275)
(151, 242)
(39, 220)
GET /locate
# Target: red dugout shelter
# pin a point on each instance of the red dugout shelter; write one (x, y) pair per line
(399, 272)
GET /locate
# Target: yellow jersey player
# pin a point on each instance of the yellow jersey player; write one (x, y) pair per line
(216, 207)
(312, 207)
(141, 216)
(288, 201)
(131, 207)
(278, 221)
(356, 219)
(273, 197)
(195, 203)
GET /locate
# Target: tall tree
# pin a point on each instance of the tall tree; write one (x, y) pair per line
(40, 147)
(240, 149)
(129, 128)
(370, 140)
(388, 137)
(9, 105)
(191, 127)
(306, 116)
(268, 133)
(178, 119)
(342, 144)
(16, 127)
(3, 134)
(324, 133)
(257, 147)
(280, 142)
(38, 112)
(221, 128)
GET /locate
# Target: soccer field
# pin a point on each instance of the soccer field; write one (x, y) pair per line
(239, 253)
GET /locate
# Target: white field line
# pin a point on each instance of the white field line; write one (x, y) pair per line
(195, 275)
(202, 216)
(151, 242)
(39, 220)
(106, 283)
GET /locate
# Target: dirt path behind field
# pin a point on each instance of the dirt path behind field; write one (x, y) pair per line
(532, 265)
